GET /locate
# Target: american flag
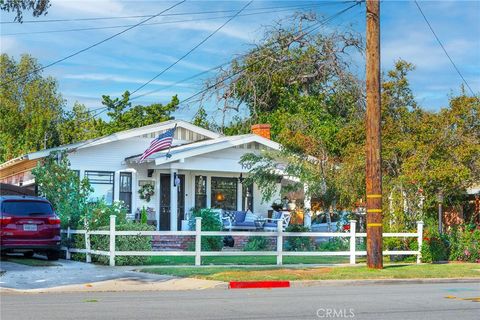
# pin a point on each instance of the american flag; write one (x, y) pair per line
(162, 142)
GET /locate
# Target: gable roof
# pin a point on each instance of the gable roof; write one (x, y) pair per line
(207, 146)
(121, 135)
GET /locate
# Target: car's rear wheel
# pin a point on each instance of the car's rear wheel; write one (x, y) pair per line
(53, 255)
(28, 254)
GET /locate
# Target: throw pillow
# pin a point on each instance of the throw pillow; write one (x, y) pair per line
(231, 215)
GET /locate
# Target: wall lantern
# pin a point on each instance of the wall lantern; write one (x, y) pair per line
(149, 173)
(241, 178)
(176, 180)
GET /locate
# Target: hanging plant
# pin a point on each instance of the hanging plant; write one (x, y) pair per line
(146, 192)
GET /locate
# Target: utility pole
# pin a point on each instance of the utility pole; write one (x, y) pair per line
(373, 144)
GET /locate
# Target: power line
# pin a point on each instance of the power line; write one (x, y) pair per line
(314, 27)
(191, 50)
(93, 45)
(228, 62)
(444, 50)
(258, 61)
(169, 14)
(155, 23)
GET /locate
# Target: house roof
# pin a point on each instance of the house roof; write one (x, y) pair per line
(126, 134)
(207, 146)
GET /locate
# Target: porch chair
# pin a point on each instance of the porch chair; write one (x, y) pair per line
(271, 224)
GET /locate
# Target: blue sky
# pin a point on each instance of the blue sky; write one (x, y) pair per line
(127, 61)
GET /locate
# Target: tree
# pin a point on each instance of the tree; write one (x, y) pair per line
(78, 125)
(30, 108)
(39, 7)
(70, 196)
(123, 116)
(301, 84)
(200, 119)
(291, 71)
(63, 188)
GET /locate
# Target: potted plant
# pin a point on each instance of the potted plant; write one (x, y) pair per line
(277, 205)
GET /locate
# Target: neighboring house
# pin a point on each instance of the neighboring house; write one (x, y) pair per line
(203, 170)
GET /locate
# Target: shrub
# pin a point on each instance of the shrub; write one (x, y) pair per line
(123, 243)
(465, 244)
(210, 222)
(334, 244)
(256, 244)
(99, 212)
(434, 248)
(298, 243)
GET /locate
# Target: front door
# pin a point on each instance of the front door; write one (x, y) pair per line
(165, 201)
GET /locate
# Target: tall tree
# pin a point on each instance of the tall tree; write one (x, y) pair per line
(78, 125)
(123, 116)
(30, 108)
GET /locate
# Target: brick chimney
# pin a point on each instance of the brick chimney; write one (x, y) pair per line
(262, 130)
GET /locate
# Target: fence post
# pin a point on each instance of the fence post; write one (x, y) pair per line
(88, 255)
(112, 240)
(198, 241)
(68, 255)
(420, 240)
(279, 242)
(353, 233)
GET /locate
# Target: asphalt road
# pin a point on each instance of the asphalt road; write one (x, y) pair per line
(401, 301)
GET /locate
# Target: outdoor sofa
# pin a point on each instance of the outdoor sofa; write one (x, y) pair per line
(245, 220)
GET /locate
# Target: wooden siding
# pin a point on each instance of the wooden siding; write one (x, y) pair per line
(22, 166)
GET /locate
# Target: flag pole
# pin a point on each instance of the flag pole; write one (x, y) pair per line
(168, 155)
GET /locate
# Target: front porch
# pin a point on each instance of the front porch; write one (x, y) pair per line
(177, 192)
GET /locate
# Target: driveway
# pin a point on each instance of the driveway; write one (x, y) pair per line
(65, 273)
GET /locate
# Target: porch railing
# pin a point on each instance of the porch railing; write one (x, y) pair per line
(280, 235)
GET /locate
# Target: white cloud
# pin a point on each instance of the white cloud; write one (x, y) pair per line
(116, 78)
(89, 7)
(8, 45)
(237, 32)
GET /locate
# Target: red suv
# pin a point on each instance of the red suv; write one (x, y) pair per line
(29, 224)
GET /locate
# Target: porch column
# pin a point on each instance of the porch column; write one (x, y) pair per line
(173, 201)
(209, 191)
(307, 208)
(239, 196)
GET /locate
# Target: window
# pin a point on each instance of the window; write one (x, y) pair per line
(126, 190)
(224, 193)
(200, 192)
(27, 208)
(102, 184)
(247, 201)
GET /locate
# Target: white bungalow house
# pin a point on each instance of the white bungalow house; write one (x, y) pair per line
(202, 171)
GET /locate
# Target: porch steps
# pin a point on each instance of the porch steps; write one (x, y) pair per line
(171, 243)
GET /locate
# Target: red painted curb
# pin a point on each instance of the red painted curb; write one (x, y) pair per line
(258, 284)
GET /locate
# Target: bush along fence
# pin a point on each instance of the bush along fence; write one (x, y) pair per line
(109, 249)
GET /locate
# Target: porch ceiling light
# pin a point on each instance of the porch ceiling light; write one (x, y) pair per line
(219, 197)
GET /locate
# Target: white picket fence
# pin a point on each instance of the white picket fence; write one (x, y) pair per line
(198, 233)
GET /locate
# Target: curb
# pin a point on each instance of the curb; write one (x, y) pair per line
(363, 282)
(258, 284)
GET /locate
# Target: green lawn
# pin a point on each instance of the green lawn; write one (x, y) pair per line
(247, 260)
(405, 271)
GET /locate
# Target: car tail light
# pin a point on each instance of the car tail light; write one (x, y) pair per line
(5, 220)
(346, 227)
(54, 220)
